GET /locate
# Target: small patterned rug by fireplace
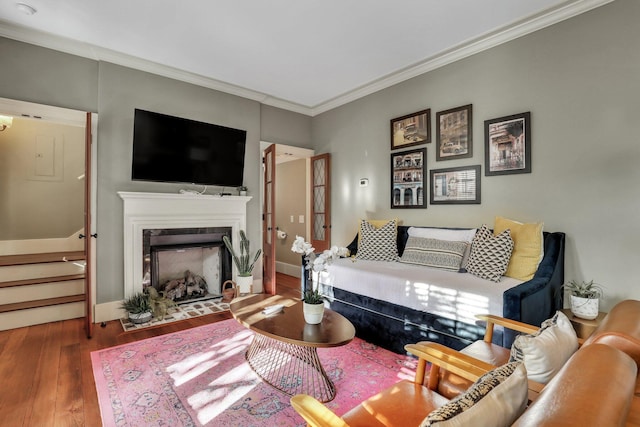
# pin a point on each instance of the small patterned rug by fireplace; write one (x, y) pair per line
(183, 311)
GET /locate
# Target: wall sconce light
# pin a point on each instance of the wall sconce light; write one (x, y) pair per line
(5, 122)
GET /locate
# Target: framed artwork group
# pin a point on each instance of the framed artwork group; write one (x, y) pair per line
(507, 150)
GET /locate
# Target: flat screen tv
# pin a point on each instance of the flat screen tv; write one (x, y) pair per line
(173, 149)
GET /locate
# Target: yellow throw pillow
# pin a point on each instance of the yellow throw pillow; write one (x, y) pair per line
(377, 223)
(528, 247)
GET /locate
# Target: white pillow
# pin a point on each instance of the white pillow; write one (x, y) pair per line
(482, 351)
(443, 233)
(497, 399)
(548, 350)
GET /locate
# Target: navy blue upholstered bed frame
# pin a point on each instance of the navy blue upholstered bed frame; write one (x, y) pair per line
(392, 326)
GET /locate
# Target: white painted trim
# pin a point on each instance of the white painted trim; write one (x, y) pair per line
(144, 211)
(288, 269)
(108, 311)
(37, 316)
(463, 50)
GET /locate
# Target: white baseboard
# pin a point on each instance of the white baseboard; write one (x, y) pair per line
(108, 311)
(288, 269)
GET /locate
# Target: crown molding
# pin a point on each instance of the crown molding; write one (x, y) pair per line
(461, 51)
(464, 50)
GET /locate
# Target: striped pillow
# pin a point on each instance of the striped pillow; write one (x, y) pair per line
(435, 253)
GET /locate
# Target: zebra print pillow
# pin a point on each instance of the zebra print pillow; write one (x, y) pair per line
(497, 399)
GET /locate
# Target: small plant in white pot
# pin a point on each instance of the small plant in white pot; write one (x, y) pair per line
(243, 262)
(313, 301)
(313, 306)
(138, 308)
(585, 298)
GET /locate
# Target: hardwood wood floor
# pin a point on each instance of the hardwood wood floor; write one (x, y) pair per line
(46, 374)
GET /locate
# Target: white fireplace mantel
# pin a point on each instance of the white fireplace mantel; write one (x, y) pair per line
(144, 211)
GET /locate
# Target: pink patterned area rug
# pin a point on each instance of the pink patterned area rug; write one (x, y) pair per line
(199, 377)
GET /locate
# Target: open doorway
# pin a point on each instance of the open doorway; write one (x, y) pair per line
(46, 198)
(292, 204)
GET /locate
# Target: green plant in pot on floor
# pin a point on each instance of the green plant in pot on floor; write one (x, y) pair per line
(243, 262)
(585, 298)
(138, 308)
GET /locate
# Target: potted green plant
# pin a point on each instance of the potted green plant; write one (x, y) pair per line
(585, 298)
(243, 262)
(313, 306)
(242, 191)
(138, 308)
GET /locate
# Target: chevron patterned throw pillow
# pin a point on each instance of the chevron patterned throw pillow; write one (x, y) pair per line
(378, 244)
(490, 254)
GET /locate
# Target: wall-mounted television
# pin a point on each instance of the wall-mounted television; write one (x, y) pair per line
(174, 149)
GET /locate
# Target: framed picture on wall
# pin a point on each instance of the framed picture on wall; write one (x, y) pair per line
(508, 145)
(408, 179)
(455, 186)
(412, 129)
(454, 133)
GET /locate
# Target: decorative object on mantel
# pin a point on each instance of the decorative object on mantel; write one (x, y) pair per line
(585, 298)
(242, 191)
(313, 302)
(243, 262)
(138, 308)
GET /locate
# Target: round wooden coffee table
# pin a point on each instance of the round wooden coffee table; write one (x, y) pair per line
(284, 348)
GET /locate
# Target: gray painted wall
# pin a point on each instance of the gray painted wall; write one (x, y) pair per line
(579, 79)
(27, 191)
(45, 76)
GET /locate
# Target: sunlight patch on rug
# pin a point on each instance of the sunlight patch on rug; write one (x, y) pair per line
(223, 392)
(199, 363)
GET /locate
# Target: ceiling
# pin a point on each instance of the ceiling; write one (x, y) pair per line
(307, 56)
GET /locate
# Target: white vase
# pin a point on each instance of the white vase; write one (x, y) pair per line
(245, 284)
(585, 308)
(313, 313)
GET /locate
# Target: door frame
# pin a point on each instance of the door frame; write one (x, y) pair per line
(71, 117)
(299, 152)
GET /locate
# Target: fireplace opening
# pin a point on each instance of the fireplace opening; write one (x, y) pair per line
(186, 264)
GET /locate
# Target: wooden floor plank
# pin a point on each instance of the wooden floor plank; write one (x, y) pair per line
(17, 377)
(69, 409)
(45, 379)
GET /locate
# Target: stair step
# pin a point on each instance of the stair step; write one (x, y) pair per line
(4, 308)
(39, 280)
(7, 260)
